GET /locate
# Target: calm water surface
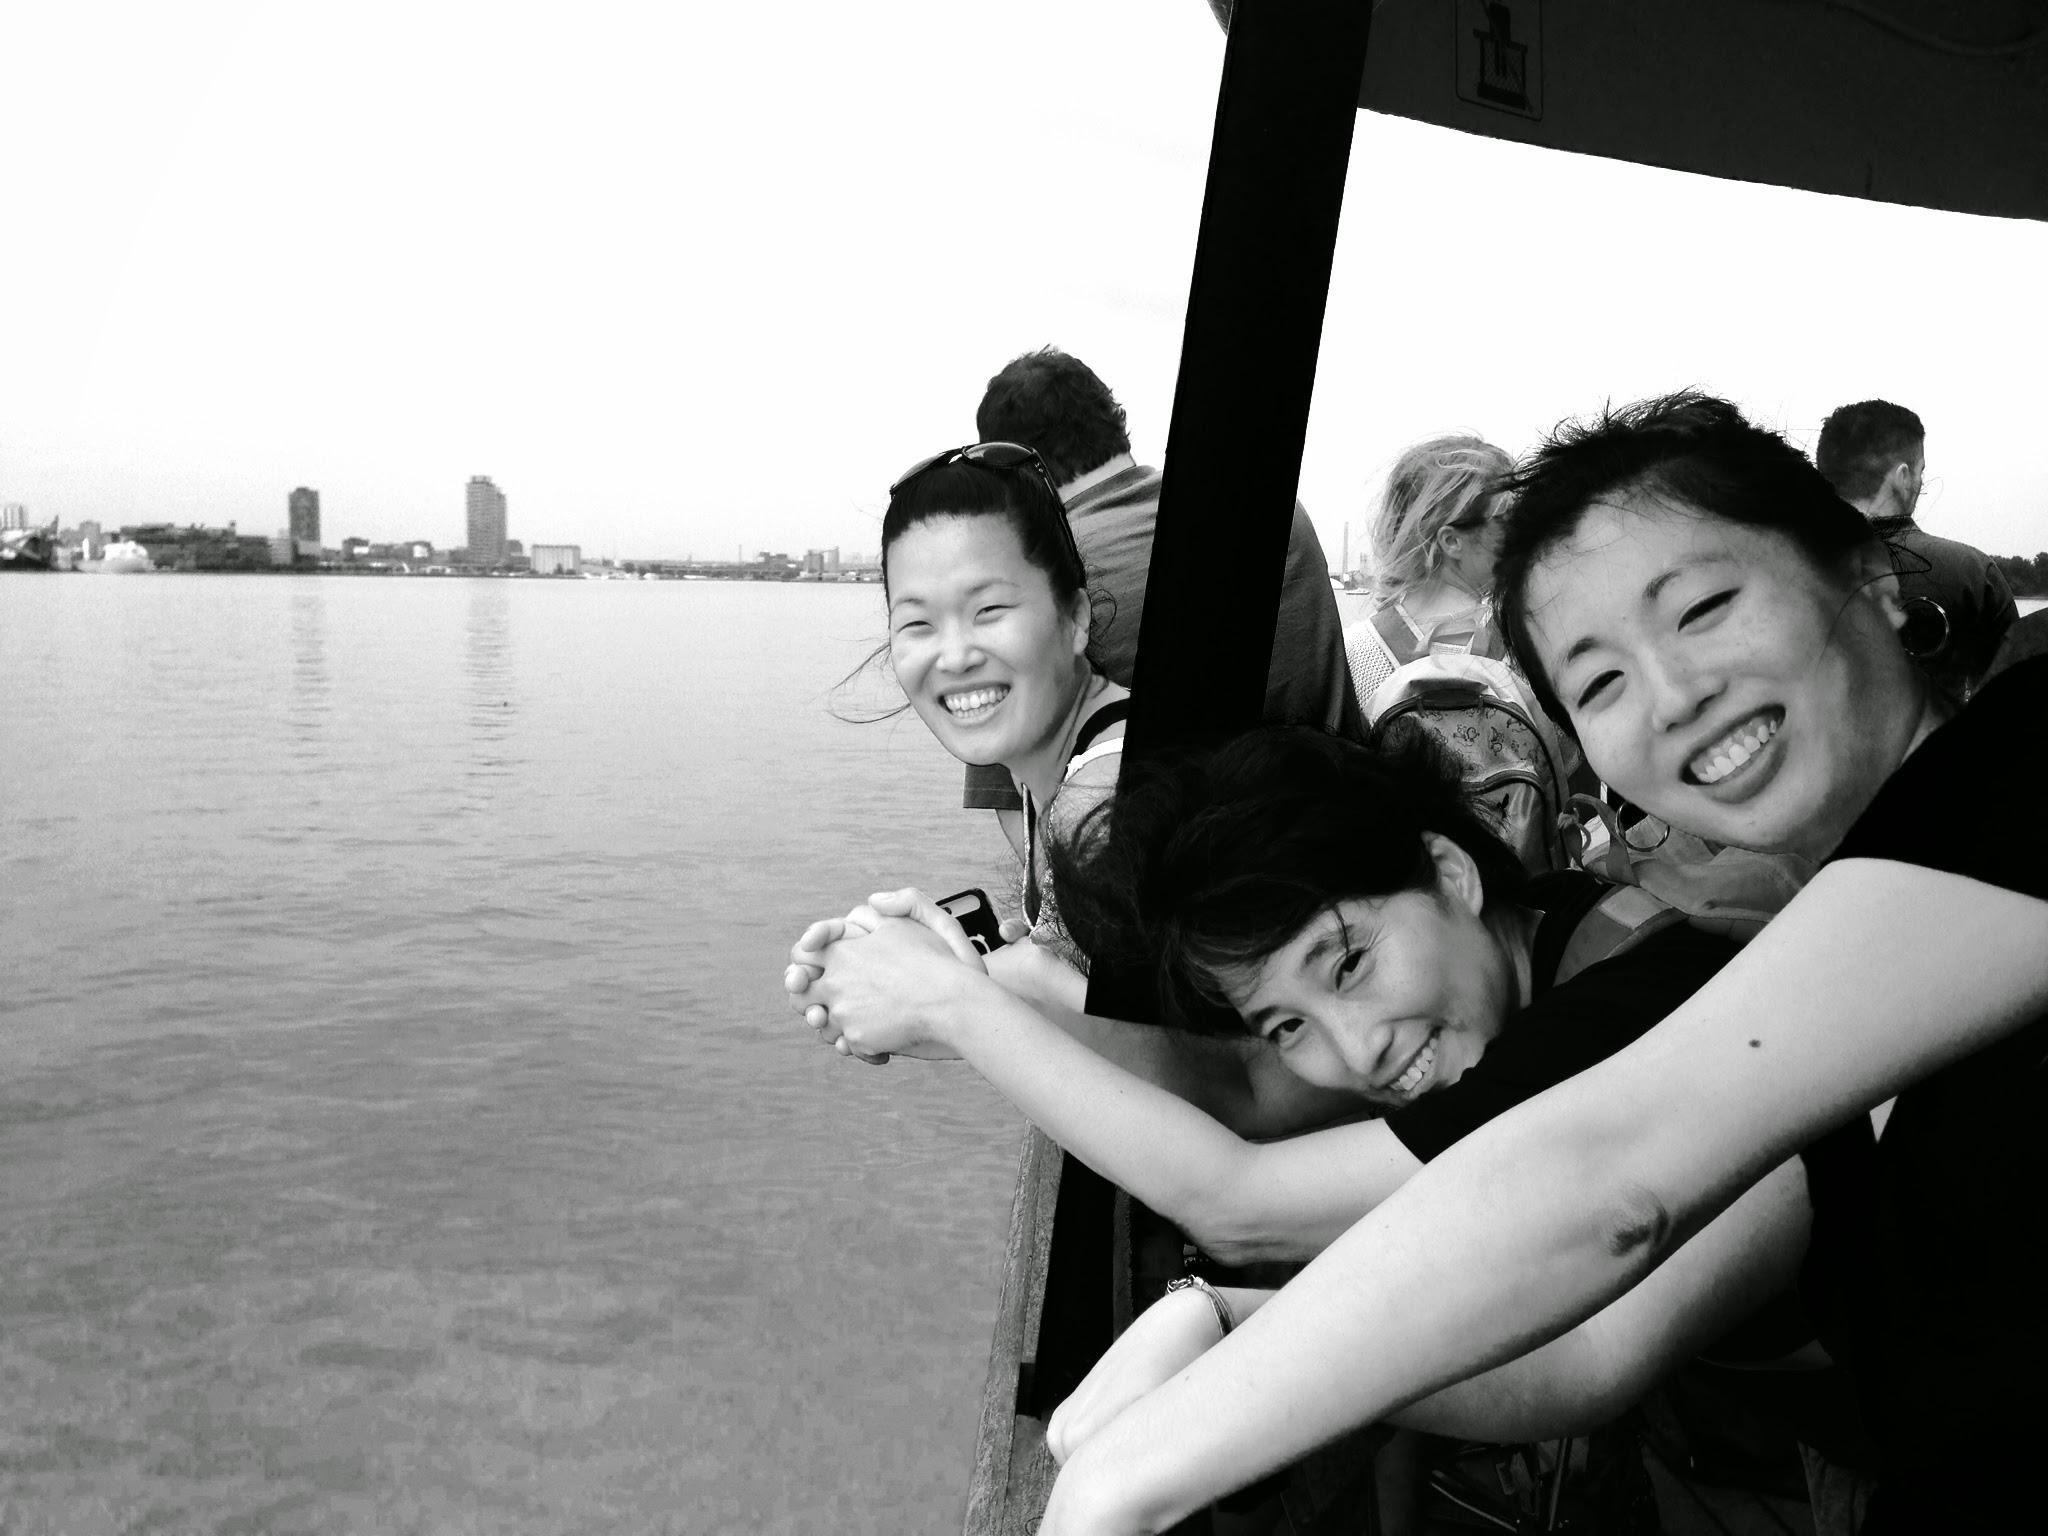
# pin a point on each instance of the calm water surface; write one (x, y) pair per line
(401, 1125)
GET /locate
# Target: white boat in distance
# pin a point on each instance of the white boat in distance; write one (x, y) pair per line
(123, 557)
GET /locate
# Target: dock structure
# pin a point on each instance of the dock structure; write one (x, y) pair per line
(1835, 99)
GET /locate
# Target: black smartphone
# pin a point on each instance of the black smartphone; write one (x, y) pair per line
(971, 910)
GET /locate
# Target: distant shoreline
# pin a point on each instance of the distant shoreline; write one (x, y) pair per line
(873, 580)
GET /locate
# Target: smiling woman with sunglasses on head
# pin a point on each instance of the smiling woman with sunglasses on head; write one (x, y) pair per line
(988, 638)
(1719, 631)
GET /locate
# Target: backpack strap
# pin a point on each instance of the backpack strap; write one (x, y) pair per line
(1593, 838)
(1404, 642)
(1081, 760)
(1619, 921)
(1486, 639)
(1094, 726)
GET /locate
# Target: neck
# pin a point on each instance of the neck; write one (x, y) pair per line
(1087, 480)
(1513, 929)
(1041, 769)
(1454, 580)
(1917, 723)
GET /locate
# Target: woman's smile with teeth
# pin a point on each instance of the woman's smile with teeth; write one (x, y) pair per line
(973, 702)
(1732, 751)
(1418, 1069)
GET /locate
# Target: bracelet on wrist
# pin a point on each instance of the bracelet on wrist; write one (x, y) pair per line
(1224, 1318)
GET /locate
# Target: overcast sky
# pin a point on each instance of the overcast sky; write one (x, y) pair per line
(690, 279)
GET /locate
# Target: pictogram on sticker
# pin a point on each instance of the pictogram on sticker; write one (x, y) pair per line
(1500, 54)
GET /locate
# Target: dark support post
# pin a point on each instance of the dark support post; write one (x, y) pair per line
(1233, 460)
(1284, 119)
(1247, 365)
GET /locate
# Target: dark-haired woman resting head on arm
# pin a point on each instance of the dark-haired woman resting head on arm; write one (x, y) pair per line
(1718, 630)
(1343, 908)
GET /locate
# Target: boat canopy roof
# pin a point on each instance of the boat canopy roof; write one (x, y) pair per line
(1932, 103)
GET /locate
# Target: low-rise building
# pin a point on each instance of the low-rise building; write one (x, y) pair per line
(557, 559)
(193, 548)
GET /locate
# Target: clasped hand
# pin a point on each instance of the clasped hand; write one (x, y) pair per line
(884, 979)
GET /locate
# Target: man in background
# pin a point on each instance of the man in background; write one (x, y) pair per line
(1055, 404)
(1958, 606)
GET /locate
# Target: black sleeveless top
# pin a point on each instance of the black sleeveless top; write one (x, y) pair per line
(1924, 1274)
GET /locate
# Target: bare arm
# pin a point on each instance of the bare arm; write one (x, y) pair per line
(1576, 1382)
(1874, 976)
(898, 987)
(1240, 1083)
(1582, 1379)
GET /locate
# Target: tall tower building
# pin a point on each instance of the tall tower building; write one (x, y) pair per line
(304, 505)
(486, 521)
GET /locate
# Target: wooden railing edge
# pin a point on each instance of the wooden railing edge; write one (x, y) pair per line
(992, 1504)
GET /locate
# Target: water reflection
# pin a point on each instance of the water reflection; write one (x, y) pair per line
(487, 668)
(306, 714)
(365, 1167)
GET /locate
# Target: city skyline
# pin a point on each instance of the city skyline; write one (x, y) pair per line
(676, 310)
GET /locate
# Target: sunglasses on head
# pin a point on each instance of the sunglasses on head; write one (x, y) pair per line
(1001, 458)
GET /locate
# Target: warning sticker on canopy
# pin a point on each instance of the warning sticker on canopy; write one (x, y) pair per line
(1500, 54)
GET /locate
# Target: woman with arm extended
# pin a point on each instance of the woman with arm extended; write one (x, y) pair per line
(1718, 629)
(1346, 906)
(989, 620)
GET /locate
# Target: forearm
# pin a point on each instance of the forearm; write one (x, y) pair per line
(1874, 976)
(1584, 1378)
(1239, 1200)
(1416, 1297)
(1240, 1084)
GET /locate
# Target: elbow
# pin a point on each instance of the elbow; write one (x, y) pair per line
(1235, 1240)
(1636, 1227)
(1611, 1153)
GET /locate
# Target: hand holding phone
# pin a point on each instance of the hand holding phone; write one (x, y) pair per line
(977, 918)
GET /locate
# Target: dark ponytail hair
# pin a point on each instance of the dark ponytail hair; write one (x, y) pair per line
(1020, 497)
(1207, 863)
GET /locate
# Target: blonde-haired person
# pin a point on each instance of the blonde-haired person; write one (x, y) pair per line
(1433, 541)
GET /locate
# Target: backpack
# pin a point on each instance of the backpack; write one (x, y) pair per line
(1478, 710)
(1623, 917)
(1733, 891)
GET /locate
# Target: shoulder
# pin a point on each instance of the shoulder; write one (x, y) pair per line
(1132, 490)
(1572, 1027)
(1967, 800)
(1388, 617)
(2028, 637)
(1617, 935)
(1099, 743)
(1302, 535)
(1618, 941)
(1653, 973)
(1613, 1000)
(1949, 557)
